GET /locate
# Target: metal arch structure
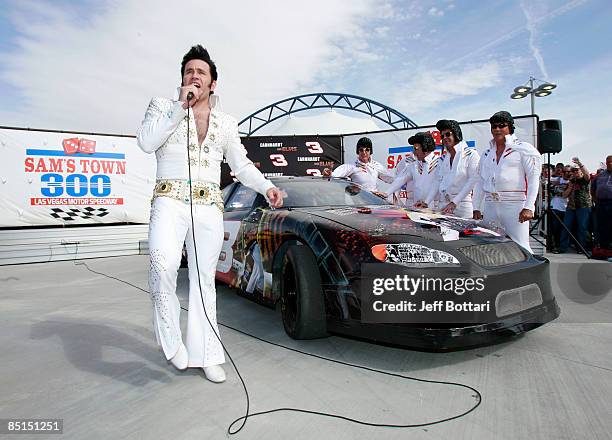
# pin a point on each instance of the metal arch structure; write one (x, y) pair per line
(280, 109)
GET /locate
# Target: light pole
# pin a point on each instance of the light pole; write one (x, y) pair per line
(543, 89)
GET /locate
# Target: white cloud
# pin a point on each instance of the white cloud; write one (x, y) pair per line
(97, 74)
(530, 10)
(385, 11)
(382, 31)
(428, 88)
(435, 12)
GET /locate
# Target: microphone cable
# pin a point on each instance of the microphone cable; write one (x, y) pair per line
(476, 394)
(243, 419)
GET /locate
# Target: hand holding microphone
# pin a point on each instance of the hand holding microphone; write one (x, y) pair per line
(190, 95)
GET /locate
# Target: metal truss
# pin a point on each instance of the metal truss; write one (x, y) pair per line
(272, 112)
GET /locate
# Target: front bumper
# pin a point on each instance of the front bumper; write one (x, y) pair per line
(447, 338)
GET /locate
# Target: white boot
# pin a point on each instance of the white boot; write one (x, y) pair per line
(181, 358)
(214, 373)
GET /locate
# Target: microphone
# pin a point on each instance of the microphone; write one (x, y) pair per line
(190, 94)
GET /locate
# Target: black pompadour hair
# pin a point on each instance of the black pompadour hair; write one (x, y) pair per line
(197, 52)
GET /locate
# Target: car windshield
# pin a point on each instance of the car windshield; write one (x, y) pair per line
(326, 192)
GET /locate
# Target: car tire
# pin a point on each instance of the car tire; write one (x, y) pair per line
(302, 303)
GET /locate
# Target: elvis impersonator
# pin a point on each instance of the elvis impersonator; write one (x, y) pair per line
(400, 168)
(364, 171)
(212, 135)
(509, 179)
(422, 171)
(457, 172)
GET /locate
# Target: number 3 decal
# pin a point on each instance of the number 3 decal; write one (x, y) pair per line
(313, 172)
(314, 147)
(278, 160)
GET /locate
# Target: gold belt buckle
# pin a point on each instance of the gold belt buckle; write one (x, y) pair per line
(447, 197)
(201, 192)
(163, 187)
(495, 196)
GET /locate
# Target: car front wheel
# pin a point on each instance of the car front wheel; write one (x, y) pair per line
(302, 304)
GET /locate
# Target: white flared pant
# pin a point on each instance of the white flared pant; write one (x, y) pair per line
(169, 228)
(506, 215)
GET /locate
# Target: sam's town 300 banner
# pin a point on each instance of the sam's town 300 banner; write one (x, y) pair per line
(50, 178)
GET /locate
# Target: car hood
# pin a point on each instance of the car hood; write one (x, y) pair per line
(391, 220)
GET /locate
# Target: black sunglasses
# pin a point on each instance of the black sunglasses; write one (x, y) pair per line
(493, 126)
(446, 135)
(363, 149)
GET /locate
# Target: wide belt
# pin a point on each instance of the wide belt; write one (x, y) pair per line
(506, 196)
(202, 193)
(449, 196)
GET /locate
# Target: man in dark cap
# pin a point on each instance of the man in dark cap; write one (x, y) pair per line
(364, 170)
(457, 172)
(509, 180)
(422, 171)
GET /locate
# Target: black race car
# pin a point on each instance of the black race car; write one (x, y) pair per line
(341, 260)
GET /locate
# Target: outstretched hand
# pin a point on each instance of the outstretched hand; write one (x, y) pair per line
(275, 197)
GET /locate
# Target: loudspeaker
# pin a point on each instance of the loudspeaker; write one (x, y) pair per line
(549, 136)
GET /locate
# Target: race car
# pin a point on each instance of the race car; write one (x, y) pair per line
(341, 260)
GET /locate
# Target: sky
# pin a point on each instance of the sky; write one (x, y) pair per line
(94, 65)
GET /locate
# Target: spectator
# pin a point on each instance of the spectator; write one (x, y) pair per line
(578, 205)
(546, 170)
(602, 197)
(558, 204)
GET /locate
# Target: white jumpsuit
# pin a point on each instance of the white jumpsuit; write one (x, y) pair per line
(365, 174)
(456, 181)
(164, 131)
(400, 169)
(422, 174)
(507, 187)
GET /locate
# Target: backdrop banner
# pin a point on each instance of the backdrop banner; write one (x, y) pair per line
(64, 178)
(290, 155)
